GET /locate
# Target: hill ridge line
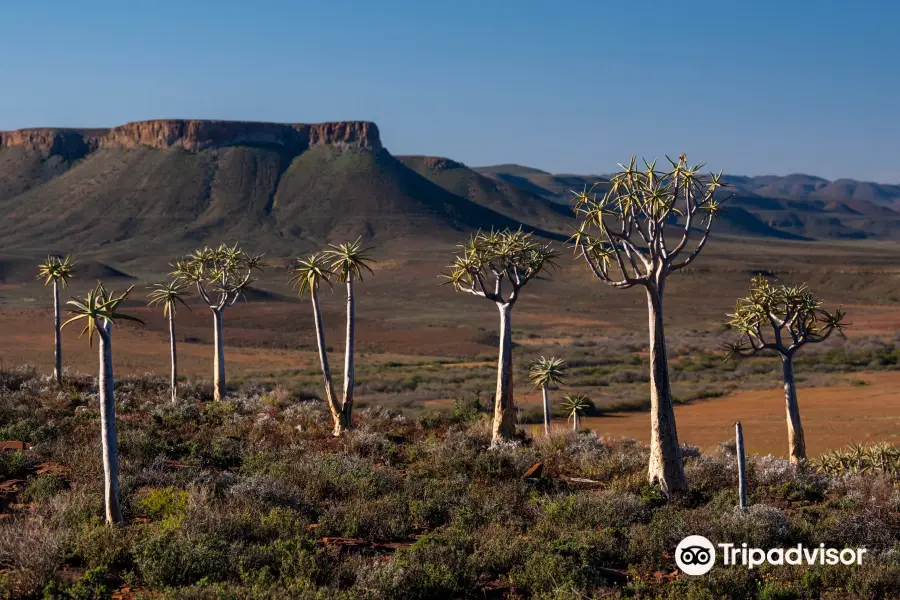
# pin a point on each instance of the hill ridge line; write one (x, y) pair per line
(193, 135)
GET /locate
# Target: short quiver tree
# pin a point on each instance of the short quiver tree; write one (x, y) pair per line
(99, 311)
(622, 238)
(57, 271)
(544, 373)
(782, 319)
(496, 266)
(168, 295)
(575, 405)
(221, 275)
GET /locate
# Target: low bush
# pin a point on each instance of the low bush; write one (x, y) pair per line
(252, 498)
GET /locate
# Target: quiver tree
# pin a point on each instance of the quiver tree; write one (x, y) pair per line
(348, 261)
(56, 271)
(496, 266)
(622, 236)
(168, 295)
(99, 311)
(782, 319)
(575, 405)
(307, 275)
(546, 372)
(221, 276)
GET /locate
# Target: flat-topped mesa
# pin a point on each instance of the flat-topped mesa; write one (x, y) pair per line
(69, 143)
(195, 136)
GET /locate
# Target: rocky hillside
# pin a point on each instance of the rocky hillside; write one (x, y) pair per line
(164, 186)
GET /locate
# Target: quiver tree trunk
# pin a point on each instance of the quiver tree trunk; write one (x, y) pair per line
(666, 467)
(742, 465)
(174, 358)
(796, 442)
(337, 414)
(576, 422)
(347, 405)
(546, 398)
(504, 425)
(219, 360)
(108, 435)
(57, 369)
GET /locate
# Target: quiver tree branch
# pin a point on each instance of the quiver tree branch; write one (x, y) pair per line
(496, 266)
(221, 275)
(622, 238)
(782, 319)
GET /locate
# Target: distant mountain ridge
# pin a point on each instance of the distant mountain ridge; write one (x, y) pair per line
(797, 205)
(161, 187)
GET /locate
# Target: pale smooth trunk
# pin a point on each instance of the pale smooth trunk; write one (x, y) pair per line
(742, 465)
(665, 454)
(219, 361)
(174, 356)
(504, 426)
(57, 370)
(108, 428)
(546, 395)
(576, 422)
(330, 397)
(347, 407)
(796, 441)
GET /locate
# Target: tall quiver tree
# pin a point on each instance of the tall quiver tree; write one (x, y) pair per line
(57, 271)
(626, 227)
(544, 373)
(221, 275)
(782, 319)
(99, 311)
(496, 266)
(348, 261)
(307, 275)
(168, 295)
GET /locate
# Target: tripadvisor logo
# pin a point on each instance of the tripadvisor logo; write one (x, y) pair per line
(696, 555)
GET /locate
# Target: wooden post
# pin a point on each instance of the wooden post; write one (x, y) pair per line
(742, 465)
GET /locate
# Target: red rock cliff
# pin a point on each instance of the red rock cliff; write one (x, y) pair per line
(194, 136)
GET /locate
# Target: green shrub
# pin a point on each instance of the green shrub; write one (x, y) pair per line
(163, 503)
(100, 546)
(43, 487)
(93, 585)
(170, 558)
(13, 464)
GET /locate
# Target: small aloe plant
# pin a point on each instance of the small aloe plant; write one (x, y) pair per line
(575, 406)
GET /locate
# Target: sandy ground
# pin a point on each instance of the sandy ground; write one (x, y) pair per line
(832, 417)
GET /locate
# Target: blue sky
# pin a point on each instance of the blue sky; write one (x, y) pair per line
(751, 87)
